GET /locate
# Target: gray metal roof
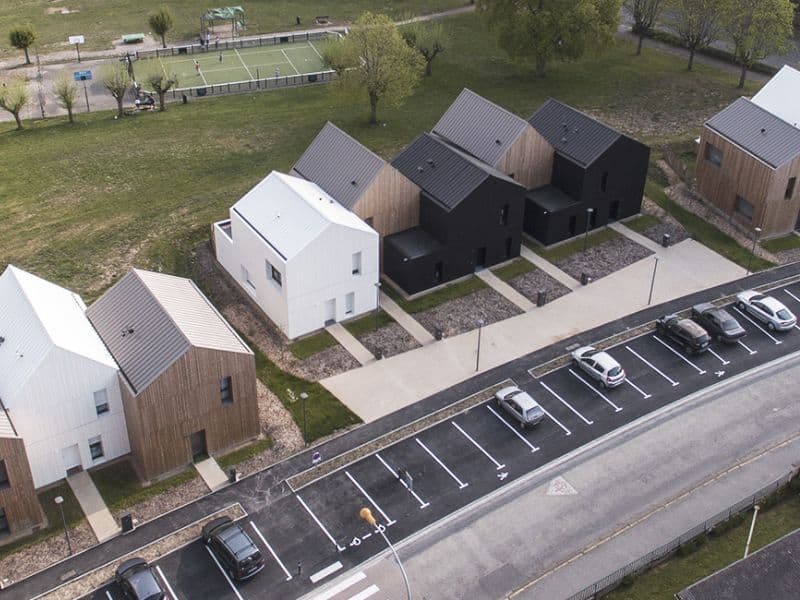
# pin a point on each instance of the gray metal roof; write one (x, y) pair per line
(480, 127)
(758, 131)
(149, 320)
(551, 198)
(572, 133)
(414, 242)
(339, 165)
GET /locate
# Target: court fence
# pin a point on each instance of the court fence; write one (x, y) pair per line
(251, 85)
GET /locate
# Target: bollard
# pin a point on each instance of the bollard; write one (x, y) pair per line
(438, 334)
(585, 279)
(126, 522)
(665, 240)
(233, 475)
(541, 298)
(378, 354)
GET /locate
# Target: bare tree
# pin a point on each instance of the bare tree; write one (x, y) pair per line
(698, 23)
(645, 13)
(66, 93)
(22, 37)
(116, 80)
(161, 22)
(14, 95)
(428, 38)
(161, 84)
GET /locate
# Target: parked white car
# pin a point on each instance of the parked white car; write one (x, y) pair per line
(520, 405)
(766, 309)
(599, 365)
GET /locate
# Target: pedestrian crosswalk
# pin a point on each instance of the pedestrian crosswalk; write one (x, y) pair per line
(353, 587)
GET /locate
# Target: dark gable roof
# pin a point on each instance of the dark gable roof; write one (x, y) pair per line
(480, 127)
(442, 171)
(758, 131)
(573, 133)
(334, 161)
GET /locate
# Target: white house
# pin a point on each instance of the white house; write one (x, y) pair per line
(781, 95)
(59, 383)
(305, 259)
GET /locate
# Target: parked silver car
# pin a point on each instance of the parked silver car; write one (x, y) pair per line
(766, 309)
(599, 365)
(520, 405)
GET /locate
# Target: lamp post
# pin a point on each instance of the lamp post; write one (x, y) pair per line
(304, 397)
(478, 357)
(752, 526)
(589, 212)
(377, 302)
(366, 514)
(60, 501)
(652, 281)
(756, 231)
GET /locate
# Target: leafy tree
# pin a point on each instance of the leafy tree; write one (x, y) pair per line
(547, 30)
(428, 38)
(375, 59)
(22, 37)
(116, 80)
(645, 13)
(757, 28)
(66, 93)
(161, 22)
(698, 23)
(14, 95)
(161, 84)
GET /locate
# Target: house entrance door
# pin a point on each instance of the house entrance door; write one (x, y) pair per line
(480, 257)
(71, 455)
(330, 311)
(199, 444)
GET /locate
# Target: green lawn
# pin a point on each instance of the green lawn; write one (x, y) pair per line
(242, 454)
(367, 323)
(787, 242)
(515, 268)
(434, 299)
(120, 488)
(641, 223)
(567, 249)
(308, 346)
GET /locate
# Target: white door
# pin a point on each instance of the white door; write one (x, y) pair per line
(349, 303)
(72, 458)
(330, 311)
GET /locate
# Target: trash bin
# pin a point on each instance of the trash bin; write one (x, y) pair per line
(665, 240)
(541, 298)
(438, 334)
(126, 522)
(233, 475)
(585, 279)
(378, 354)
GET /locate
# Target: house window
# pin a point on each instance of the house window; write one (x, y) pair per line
(225, 390)
(743, 207)
(504, 215)
(4, 482)
(604, 181)
(349, 303)
(368, 221)
(713, 155)
(273, 273)
(246, 278)
(101, 402)
(96, 447)
(357, 263)
(438, 272)
(790, 188)
(4, 529)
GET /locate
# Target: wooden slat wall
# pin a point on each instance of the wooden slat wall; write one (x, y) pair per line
(391, 200)
(19, 501)
(530, 159)
(781, 214)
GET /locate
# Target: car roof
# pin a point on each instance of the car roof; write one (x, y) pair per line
(237, 541)
(605, 360)
(772, 303)
(130, 563)
(692, 327)
(521, 397)
(710, 309)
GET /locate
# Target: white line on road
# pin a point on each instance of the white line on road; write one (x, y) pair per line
(243, 64)
(461, 484)
(362, 595)
(722, 360)
(556, 421)
(271, 551)
(422, 503)
(595, 390)
(341, 586)
(644, 394)
(478, 446)
(679, 355)
(389, 520)
(286, 56)
(224, 574)
(743, 345)
(109, 596)
(565, 403)
(652, 366)
(513, 429)
(323, 573)
(792, 295)
(172, 593)
(761, 329)
(317, 521)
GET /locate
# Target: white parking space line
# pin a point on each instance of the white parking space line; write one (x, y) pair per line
(644, 394)
(323, 573)
(461, 484)
(341, 586)
(422, 503)
(291, 64)
(743, 345)
(389, 520)
(478, 446)
(317, 521)
(722, 360)
(109, 596)
(363, 594)
(271, 551)
(595, 390)
(224, 574)
(172, 593)
(652, 366)
(792, 295)
(565, 403)
(679, 355)
(513, 430)
(761, 329)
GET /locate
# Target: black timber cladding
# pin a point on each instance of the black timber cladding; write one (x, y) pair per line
(758, 131)
(340, 165)
(480, 127)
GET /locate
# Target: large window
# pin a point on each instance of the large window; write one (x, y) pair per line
(604, 181)
(357, 263)
(744, 208)
(4, 529)
(4, 482)
(101, 402)
(226, 390)
(96, 448)
(246, 278)
(713, 155)
(273, 273)
(504, 215)
(790, 188)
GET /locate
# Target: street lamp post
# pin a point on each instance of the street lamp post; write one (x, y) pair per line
(60, 501)
(589, 212)
(652, 281)
(752, 526)
(478, 357)
(377, 302)
(366, 514)
(756, 231)
(304, 397)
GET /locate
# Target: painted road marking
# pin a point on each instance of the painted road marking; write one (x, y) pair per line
(224, 574)
(644, 394)
(341, 586)
(478, 446)
(461, 484)
(761, 329)
(652, 366)
(595, 390)
(169, 587)
(565, 403)
(362, 595)
(389, 520)
(679, 355)
(109, 596)
(271, 551)
(556, 421)
(513, 429)
(792, 295)
(743, 345)
(422, 503)
(317, 521)
(323, 573)
(722, 360)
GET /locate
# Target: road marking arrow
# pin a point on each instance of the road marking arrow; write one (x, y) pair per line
(502, 476)
(719, 373)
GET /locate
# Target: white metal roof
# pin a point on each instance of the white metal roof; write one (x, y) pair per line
(781, 95)
(289, 212)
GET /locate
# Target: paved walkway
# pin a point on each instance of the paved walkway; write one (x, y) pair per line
(100, 519)
(350, 343)
(637, 237)
(213, 476)
(406, 321)
(505, 290)
(549, 268)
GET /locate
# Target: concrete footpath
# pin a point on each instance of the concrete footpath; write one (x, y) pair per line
(100, 518)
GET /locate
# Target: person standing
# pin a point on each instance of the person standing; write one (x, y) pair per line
(197, 66)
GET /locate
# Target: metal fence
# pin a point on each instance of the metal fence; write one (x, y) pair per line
(265, 83)
(609, 582)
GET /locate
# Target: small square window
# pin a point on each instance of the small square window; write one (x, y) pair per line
(4, 482)
(225, 390)
(713, 155)
(790, 188)
(273, 273)
(101, 402)
(4, 529)
(357, 263)
(96, 448)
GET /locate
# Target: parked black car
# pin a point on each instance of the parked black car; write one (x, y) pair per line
(234, 549)
(718, 322)
(685, 332)
(138, 581)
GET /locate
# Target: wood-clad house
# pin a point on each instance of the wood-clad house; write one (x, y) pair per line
(188, 380)
(19, 507)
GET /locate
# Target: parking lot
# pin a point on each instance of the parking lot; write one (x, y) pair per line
(314, 534)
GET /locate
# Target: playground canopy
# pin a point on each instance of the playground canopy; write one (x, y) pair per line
(229, 13)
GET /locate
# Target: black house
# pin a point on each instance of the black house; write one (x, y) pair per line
(470, 216)
(595, 167)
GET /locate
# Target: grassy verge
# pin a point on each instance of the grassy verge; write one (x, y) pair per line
(308, 346)
(242, 454)
(515, 268)
(434, 299)
(704, 232)
(564, 251)
(787, 242)
(641, 223)
(120, 488)
(367, 323)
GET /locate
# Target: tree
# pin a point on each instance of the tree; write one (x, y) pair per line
(116, 80)
(547, 30)
(14, 95)
(757, 28)
(428, 38)
(161, 84)
(22, 37)
(698, 23)
(645, 13)
(66, 93)
(374, 58)
(161, 22)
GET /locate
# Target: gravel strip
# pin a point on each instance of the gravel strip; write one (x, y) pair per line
(531, 283)
(461, 314)
(391, 339)
(166, 501)
(603, 259)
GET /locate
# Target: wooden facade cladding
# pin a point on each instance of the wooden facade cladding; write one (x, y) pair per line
(18, 499)
(391, 201)
(186, 399)
(529, 160)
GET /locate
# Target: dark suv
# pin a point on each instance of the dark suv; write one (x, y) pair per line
(718, 322)
(234, 549)
(138, 581)
(685, 332)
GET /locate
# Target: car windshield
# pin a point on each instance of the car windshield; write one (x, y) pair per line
(784, 314)
(615, 371)
(729, 325)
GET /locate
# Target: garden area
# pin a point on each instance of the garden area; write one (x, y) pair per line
(530, 281)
